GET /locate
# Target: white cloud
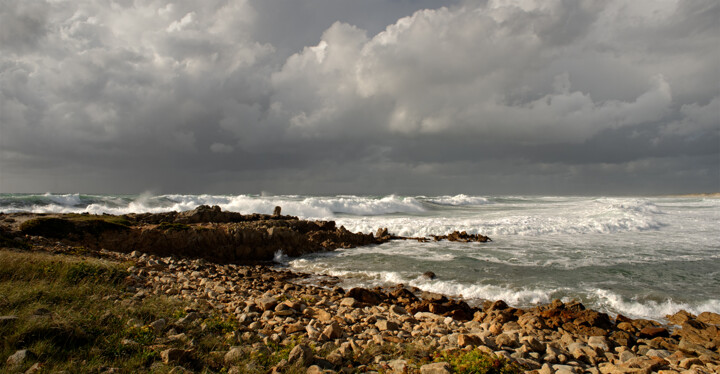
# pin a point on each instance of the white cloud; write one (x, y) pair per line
(101, 83)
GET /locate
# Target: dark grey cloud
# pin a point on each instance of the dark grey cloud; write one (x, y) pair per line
(381, 96)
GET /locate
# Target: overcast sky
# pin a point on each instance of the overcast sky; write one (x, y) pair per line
(361, 97)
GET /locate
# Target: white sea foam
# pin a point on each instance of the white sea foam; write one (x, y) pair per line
(459, 200)
(613, 303)
(64, 200)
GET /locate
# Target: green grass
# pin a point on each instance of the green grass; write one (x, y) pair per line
(67, 314)
(8, 242)
(73, 225)
(476, 362)
(74, 313)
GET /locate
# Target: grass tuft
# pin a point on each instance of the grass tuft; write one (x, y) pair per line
(476, 362)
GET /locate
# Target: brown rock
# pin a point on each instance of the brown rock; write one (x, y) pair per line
(318, 314)
(385, 325)
(465, 339)
(301, 354)
(709, 318)
(653, 332)
(366, 296)
(333, 331)
(680, 317)
(404, 296)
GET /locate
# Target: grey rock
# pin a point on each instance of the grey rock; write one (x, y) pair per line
(158, 325)
(435, 368)
(399, 366)
(19, 358)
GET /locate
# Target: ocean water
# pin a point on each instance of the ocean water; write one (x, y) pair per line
(643, 257)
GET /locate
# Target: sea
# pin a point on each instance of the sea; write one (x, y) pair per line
(642, 257)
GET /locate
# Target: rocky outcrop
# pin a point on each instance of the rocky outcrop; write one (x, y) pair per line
(456, 236)
(205, 232)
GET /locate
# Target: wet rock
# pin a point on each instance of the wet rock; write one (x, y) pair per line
(276, 211)
(653, 332)
(429, 275)
(382, 233)
(366, 296)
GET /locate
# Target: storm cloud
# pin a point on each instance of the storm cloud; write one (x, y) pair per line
(314, 96)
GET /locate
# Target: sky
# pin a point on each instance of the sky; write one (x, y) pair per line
(550, 97)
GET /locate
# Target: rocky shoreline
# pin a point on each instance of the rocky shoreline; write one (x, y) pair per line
(273, 306)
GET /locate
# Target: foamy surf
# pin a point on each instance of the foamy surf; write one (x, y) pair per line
(641, 257)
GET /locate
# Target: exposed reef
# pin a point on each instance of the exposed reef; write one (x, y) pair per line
(205, 232)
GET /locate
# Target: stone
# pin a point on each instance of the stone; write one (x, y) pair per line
(626, 356)
(506, 339)
(158, 325)
(235, 354)
(546, 369)
(333, 331)
(435, 368)
(563, 369)
(348, 302)
(396, 309)
(172, 355)
(687, 346)
(532, 343)
(266, 303)
(399, 366)
(314, 369)
(653, 332)
(709, 318)
(381, 233)
(385, 325)
(318, 314)
(36, 368)
(599, 342)
(689, 362)
(429, 275)
(365, 296)
(302, 354)
(19, 358)
(465, 339)
(680, 317)
(276, 211)
(661, 353)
